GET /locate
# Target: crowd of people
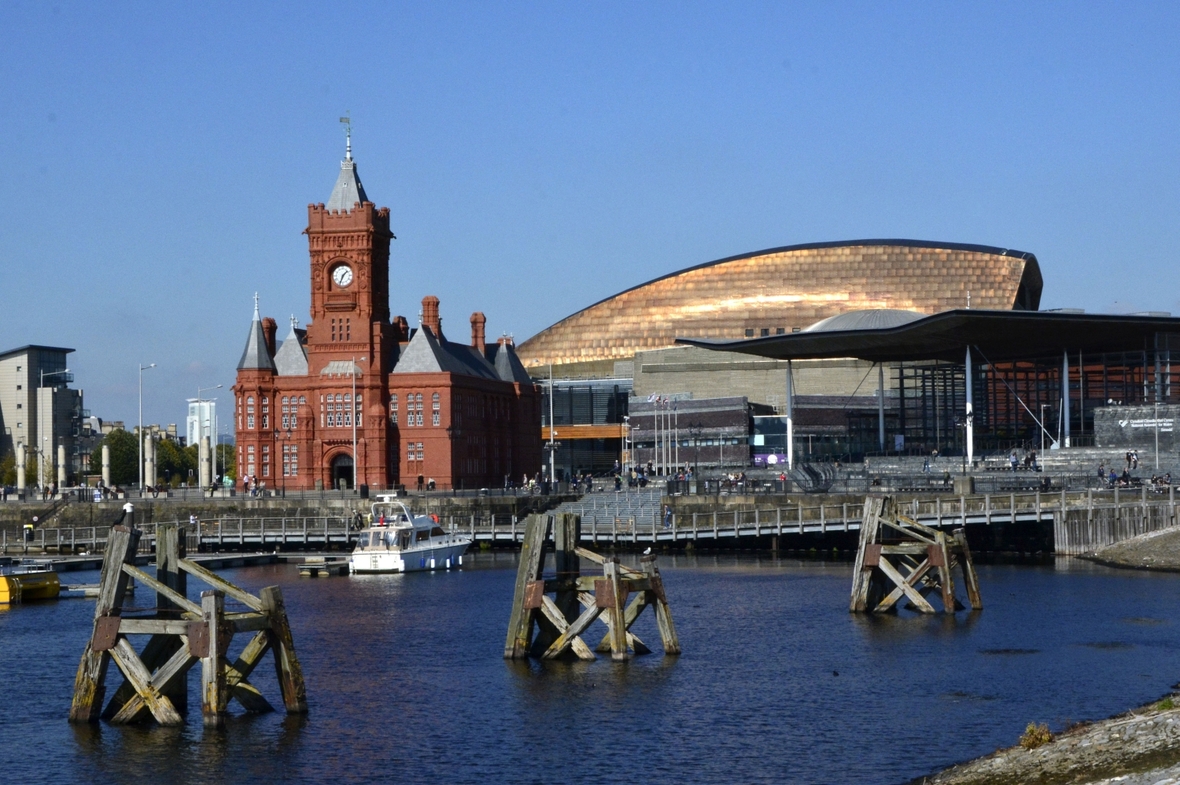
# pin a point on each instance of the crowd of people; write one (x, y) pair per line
(1114, 479)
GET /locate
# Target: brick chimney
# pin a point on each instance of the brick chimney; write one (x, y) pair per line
(269, 328)
(478, 320)
(430, 315)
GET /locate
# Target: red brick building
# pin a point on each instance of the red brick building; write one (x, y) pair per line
(416, 405)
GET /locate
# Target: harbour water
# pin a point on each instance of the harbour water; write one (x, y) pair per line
(778, 682)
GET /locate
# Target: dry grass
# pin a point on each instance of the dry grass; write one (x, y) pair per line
(1035, 736)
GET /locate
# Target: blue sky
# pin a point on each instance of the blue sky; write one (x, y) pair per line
(157, 158)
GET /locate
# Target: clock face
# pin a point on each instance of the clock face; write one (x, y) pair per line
(342, 275)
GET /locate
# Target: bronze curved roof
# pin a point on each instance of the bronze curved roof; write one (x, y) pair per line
(786, 289)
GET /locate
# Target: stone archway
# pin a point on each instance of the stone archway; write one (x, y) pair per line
(341, 471)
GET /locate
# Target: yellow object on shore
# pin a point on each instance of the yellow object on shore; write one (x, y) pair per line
(25, 586)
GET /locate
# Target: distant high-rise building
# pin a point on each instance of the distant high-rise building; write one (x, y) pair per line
(40, 411)
(201, 421)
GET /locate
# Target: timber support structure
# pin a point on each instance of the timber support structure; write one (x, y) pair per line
(551, 627)
(181, 633)
(901, 558)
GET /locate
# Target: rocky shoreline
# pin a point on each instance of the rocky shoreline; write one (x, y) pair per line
(1140, 747)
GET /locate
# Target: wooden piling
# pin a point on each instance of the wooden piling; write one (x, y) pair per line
(898, 557)
(559, 627)
(213, 690)
(182, 634)
(526, 599)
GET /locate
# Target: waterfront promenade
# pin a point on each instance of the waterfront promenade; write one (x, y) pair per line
(1079, 522)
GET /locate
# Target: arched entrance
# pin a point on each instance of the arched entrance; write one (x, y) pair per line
(342, 471)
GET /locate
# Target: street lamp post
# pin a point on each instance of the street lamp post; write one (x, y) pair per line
(41, 426)
(284, 465)
(201, 434)
(356, 410)
(1042, 424)
(552, 446)
(139, 432)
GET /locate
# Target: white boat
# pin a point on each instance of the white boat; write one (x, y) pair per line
(394, 540)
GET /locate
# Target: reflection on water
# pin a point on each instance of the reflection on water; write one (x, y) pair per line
(778, 683)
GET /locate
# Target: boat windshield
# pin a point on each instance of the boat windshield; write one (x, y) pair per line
(390, 515)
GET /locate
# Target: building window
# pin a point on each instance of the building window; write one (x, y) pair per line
(765, 332)
(780, 330)
(265, 461)
(435, 419)
(250, 421)
(393, 409)
(410, 451)
(749, 332)
(302, 400)
(290, 460)
(420, 453)
(265, 422)
(286, 422)
(250, 461)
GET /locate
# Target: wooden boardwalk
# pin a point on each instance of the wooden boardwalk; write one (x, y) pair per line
(1082, 521)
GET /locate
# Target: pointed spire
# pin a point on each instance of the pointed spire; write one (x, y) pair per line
(291, 358)
(348, 189)
(256, 357)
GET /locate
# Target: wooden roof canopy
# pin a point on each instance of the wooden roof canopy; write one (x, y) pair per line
(999, 335)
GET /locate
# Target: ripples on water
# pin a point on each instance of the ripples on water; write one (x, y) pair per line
(778, 682)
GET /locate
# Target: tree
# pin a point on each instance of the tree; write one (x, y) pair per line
(8, 469)
(227, 461)
(124, 457)
(172, 463)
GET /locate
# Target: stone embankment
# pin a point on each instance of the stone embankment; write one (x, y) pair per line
(1136, 748)
(1158, 550)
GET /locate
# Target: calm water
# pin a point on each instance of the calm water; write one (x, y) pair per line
(407, 684)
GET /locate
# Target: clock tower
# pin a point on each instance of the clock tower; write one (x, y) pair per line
(348, 241)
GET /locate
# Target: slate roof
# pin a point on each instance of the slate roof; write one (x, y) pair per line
(427, 354)
(508, 365)
(255, 356)
(348, 189)
(291, 358)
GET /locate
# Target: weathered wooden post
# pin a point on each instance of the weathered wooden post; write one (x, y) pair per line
(213, 688)
(526, 598)
(89, 690)
(287, 667)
